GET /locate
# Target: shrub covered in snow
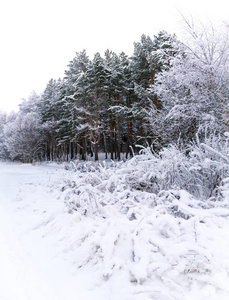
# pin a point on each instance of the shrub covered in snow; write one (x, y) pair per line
(198, 169)
(128, 223)
(147, 228)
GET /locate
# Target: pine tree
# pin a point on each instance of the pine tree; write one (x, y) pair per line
(150, 58)
(50, 116)
(72, 127)
(97, 91)
(116, 100)
(143, 74)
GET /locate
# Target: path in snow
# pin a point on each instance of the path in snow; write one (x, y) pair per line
(28, 270)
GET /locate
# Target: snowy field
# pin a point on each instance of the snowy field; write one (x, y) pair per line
(87, 233)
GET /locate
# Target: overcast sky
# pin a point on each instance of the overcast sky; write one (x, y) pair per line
(40, 37)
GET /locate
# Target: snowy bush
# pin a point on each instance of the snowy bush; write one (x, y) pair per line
(209, 166)
(153, 242)
(154, 221)
(199, 170)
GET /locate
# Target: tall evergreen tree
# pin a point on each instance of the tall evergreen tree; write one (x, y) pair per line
(97, 91)
(50, 116)
(150, 58)
(72, 127)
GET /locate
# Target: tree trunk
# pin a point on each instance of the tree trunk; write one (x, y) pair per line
(119, 139)
(129, 130)
(131, 138)
(52, 146)
(141, 132)
(96, 140)
(115, 148)
(111, 135)
(154, 97)
(119, 134)
(128, 139)
(224, 111)
(83, 148)
(105, 144)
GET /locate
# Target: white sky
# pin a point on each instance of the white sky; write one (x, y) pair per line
(39, 37)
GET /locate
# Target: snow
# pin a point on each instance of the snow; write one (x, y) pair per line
(85, 232)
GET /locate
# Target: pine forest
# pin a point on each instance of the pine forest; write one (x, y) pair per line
(167, 92)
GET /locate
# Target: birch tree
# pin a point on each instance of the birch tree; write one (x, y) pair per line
(24, 138)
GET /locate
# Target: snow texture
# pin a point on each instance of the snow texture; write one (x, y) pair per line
(96, 231)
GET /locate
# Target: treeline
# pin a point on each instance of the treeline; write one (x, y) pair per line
(100, 105)
(167, 90)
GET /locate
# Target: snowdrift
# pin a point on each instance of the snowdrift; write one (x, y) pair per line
(136, 243)
(124, 237)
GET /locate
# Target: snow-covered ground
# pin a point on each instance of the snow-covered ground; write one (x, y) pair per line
(87, 234)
